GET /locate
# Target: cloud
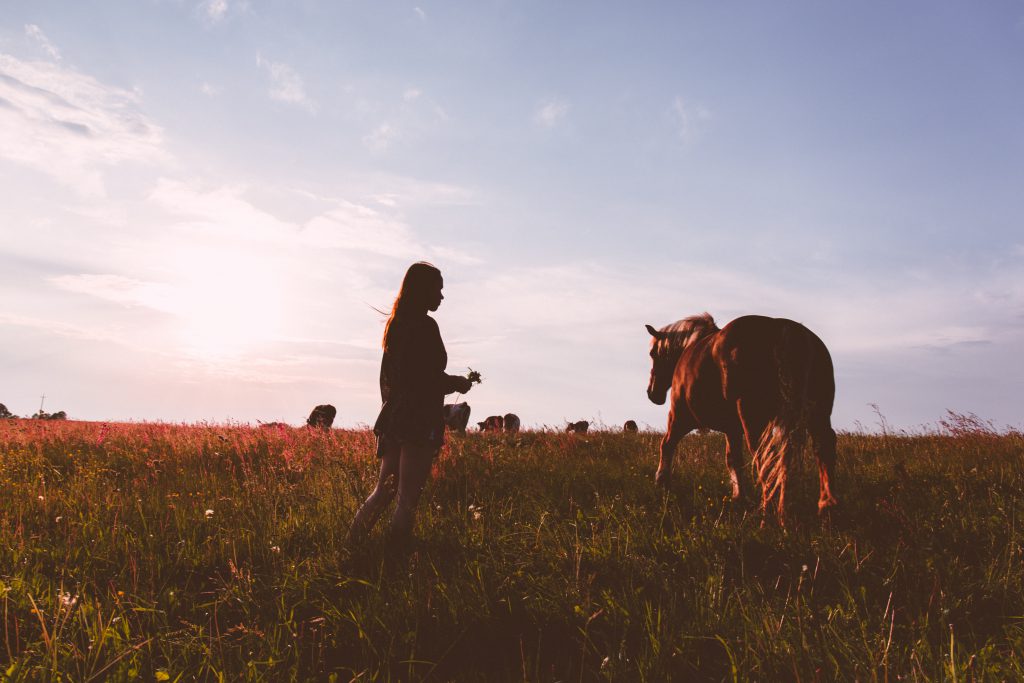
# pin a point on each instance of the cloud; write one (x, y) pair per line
(286, 84)
(550, 113)
(391, 190)
(70, 126)
(35, 33)
(209, 89)
(380, 138)
(688, 119)
(118, 289)
(411, 94)
(214, 10)
(62, 328)
(420, 13)
(224, 215)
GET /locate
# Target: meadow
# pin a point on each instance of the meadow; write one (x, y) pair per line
(217, 552)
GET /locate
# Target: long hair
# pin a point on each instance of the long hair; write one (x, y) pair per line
(417, 284)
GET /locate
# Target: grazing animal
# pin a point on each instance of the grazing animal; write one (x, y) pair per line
(630, 426)
(767, 382)
(580, 427)
(511, 423)
(456, 416)
(322, 417)
(494, 423)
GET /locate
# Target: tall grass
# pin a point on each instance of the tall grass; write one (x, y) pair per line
(210, 552)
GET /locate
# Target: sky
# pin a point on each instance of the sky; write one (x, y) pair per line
(203, 201)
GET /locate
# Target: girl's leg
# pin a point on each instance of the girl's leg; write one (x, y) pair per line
(372, 508)
(414, 470)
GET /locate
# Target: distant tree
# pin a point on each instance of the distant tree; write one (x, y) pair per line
(4, 413)
(59, 415)
(41, 415)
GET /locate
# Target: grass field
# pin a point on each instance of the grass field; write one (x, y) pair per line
(167, 552)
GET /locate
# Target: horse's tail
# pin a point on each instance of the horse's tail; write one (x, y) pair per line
(782, 443)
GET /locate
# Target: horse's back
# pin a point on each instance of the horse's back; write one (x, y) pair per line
(768, 359)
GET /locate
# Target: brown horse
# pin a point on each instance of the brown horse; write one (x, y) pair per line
(766, 381)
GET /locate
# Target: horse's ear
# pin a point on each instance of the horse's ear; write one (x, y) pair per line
(654, 332)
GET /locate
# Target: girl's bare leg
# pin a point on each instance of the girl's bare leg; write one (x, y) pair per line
(414, 469)
(372, 508)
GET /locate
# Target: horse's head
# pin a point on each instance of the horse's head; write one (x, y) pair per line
(663, 365)
(667, 345)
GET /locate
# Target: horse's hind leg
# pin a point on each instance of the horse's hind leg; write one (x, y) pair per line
(734, 461)
(823, 439)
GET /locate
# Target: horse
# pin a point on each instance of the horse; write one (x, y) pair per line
(766, 382)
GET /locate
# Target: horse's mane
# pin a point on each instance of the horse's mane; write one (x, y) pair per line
(682, 333)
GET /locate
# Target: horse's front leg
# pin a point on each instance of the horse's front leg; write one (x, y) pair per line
(677, 429)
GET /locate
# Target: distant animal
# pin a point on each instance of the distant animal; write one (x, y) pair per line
(766, 382)
(580, 427)
(494, 423)
(456, 416)
(630, 426)
(273, 425)
(322, 417)
(511, 423)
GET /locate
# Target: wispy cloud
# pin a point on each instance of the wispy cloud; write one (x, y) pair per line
(214, 10)
(59, 327)
(118, 289)
(209, 89)
(36, 34)
(688, 119)
(420, 13)
(381, 137)
(70, 126)
(550, 113)
(286, 85)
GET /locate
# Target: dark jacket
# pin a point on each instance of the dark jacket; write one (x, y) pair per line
(413, 383)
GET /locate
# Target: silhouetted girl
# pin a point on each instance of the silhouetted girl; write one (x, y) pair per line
(413, 383)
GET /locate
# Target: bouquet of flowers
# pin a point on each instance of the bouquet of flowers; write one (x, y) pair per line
(474, 376)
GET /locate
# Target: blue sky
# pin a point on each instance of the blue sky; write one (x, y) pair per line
(202, 199)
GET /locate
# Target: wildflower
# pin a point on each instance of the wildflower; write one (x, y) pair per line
(57, 519)
(209, 514)
(275, 549)
(67, 600)
(803, 568)
(41, 498)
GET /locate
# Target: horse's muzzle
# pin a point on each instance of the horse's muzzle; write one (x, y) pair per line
(657, 398)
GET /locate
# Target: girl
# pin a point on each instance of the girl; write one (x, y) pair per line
(413, 383)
